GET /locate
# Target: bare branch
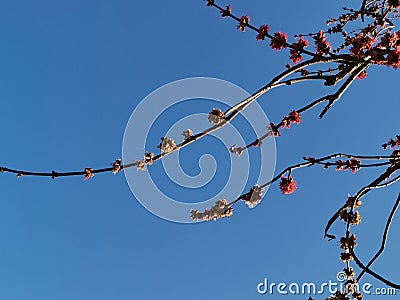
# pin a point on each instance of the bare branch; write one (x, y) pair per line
(384, 238)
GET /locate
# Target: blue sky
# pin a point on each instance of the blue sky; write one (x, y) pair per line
(72, 73)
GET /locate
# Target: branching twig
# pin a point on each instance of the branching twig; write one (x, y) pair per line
(362, 192)
(384, 238)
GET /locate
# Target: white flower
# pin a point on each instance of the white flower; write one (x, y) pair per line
(116, 166)
(236, 150)
(254, 197)
(140, 165)
(187, 134)
(219, 210)
(88, 173)
(148, 158)
(167, 145)
(216, 116)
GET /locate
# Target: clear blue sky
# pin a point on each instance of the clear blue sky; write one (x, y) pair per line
(71, 74)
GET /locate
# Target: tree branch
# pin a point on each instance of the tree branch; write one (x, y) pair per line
(384, 238)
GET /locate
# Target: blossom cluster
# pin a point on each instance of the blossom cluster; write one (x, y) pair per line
(187, 134)
(294, 117)
(287, 185)
(225, 12)
(274, 129)
(296, 50)
(279, 40)
(262, 32)
(348, 216)
(216, 116)
(88, 173)
(253, 197)
(147, 161)
(219, 210)
(362, 75)
(116, 166)
(347, 243)
(386, 52)
(349, 272)
(322, 45)
(339, 295)
(167, 145)
(140, 165)
(350, 164)
(392, 143)
(362, 45)
(148, 158)
(210, 2)
(243, 21)
(236, 150)
(353, 203)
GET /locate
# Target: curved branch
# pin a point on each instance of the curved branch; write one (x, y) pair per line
(362, 192)
(372, 273)
(384, 238)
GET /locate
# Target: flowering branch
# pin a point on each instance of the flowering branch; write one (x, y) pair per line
(294, 116)
(225, 119)
(352, 65)
(278, 41)
(394, 166)
(288, 185)
(372, 44)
